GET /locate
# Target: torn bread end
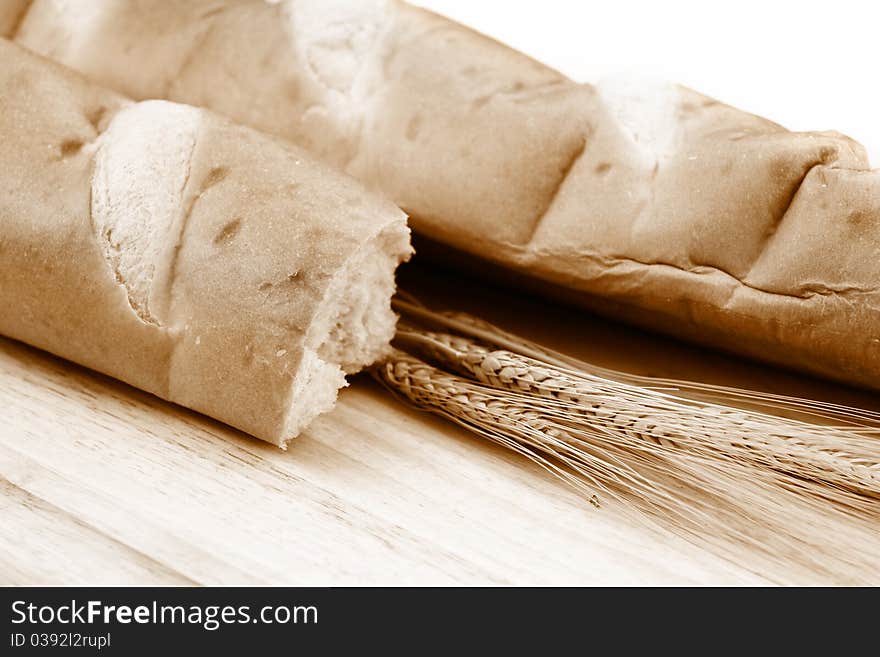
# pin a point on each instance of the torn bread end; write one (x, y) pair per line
(352, 329)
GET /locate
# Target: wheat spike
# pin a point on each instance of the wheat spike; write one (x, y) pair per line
(803, 450)
(726, 475)
(856, 419)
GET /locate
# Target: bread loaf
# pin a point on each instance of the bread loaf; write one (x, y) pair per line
(196, 259)
(651, 203)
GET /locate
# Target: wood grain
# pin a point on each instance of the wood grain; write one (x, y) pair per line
(102, 483)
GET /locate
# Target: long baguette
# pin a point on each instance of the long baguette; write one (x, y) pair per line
(193, 258)
(655, 204)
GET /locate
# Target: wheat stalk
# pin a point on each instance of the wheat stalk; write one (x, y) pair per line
(715, 473)
(856, 419)
(803, 450)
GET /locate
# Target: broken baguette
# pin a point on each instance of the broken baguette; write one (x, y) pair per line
(647, 202)
(193, 258)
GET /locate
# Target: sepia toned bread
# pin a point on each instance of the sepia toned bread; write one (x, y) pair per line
(648, 202)
(196, 259)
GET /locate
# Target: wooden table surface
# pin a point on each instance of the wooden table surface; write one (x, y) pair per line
(104, 484)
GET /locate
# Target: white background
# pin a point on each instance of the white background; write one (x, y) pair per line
(807, 65)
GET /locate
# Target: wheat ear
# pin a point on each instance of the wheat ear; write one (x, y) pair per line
(858, 420)
(830, 455)
(730, 476)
